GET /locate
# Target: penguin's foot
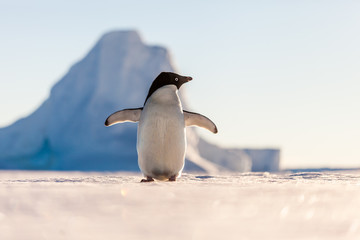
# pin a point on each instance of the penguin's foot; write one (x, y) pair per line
(172, 178)
(148, 179)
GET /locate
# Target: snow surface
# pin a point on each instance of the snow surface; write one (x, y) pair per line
(74, 205)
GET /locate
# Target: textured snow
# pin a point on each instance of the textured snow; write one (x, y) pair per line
(72, 205)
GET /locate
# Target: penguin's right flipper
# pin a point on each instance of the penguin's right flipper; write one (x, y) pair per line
(125, 115)
(199, 120)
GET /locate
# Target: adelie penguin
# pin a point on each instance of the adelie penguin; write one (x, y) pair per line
(161, 135)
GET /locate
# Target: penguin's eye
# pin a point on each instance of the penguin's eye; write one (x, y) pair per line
(176, 79)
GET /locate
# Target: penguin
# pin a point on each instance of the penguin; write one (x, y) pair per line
(161, 133)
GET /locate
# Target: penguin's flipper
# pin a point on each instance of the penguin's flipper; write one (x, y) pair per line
(199, 120)
(125, 115)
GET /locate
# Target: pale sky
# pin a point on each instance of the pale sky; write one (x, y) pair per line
(282, 74)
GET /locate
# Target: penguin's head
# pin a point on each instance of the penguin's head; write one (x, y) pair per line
(167, 78)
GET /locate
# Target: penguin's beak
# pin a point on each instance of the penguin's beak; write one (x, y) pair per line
(188, 79)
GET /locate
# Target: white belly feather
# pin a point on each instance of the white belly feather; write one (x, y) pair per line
(161, 141)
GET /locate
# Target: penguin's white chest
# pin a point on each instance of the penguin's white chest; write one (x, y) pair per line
(161, 141)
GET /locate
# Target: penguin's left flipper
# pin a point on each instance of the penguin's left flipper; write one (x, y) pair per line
(126, 115)
(199, 120)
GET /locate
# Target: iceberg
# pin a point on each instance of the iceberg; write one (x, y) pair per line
(67, 131)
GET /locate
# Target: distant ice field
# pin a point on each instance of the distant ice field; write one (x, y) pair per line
(78, 205)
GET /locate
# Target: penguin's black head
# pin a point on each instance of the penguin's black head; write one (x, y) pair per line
(167, 78)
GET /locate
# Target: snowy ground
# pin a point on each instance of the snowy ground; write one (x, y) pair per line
(67, 205)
